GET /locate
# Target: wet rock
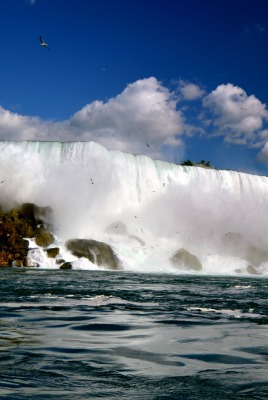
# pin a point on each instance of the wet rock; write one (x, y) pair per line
(20, 223)
(53, 252)
(66, 265)
(182, 259)
(44, 238)
(98, 253)
(60, 261)
(13, 229)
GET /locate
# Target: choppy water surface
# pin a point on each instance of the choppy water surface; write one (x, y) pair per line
(98, 334)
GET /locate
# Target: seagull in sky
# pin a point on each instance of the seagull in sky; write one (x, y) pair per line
(43, 43)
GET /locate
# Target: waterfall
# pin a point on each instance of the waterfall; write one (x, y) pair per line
(164, 205)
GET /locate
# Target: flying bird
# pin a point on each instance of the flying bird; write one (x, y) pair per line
(43, 43)
(147, 145)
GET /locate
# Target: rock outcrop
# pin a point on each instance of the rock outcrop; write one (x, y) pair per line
(53, 252)
(44, 238)
(98, 253)
(25, 221)
(182, 259)
(66, 265)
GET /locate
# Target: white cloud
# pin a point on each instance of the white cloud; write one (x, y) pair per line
(147, 112)
(17, 127)
(235, 115)
(263, 154)
(190, 91)
(144, 112)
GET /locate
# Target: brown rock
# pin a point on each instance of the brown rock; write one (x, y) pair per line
(98, 253)
(53, 252)
(185, 260)
(44, 238)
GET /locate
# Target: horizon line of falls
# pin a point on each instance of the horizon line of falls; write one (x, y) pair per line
(146, 210)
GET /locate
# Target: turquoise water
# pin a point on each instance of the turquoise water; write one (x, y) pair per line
(119, 335)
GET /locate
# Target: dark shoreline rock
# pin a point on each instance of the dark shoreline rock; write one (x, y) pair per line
(66, 265)
(53, 252)
(20, 223)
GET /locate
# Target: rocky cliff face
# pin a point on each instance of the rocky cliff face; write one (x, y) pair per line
(25, 221)
(33, 222)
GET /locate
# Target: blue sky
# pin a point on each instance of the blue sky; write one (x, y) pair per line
(188, 77)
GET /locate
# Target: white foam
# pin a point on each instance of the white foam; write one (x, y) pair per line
(165, 205)
(229, 313)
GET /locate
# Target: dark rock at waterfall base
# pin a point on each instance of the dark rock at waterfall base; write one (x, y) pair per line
(44, 238)
(66, 265)
(53, 252)
(60, 261)
(98, 253)
(182, 259)
(15, 225)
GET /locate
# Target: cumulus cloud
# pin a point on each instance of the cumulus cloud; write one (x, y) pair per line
(190, 91)
(235, 115)
(263, 154)
(17, 127)
(144, 112)
(147, 112)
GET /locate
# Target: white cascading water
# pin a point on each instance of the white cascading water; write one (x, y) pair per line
(164, 206)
